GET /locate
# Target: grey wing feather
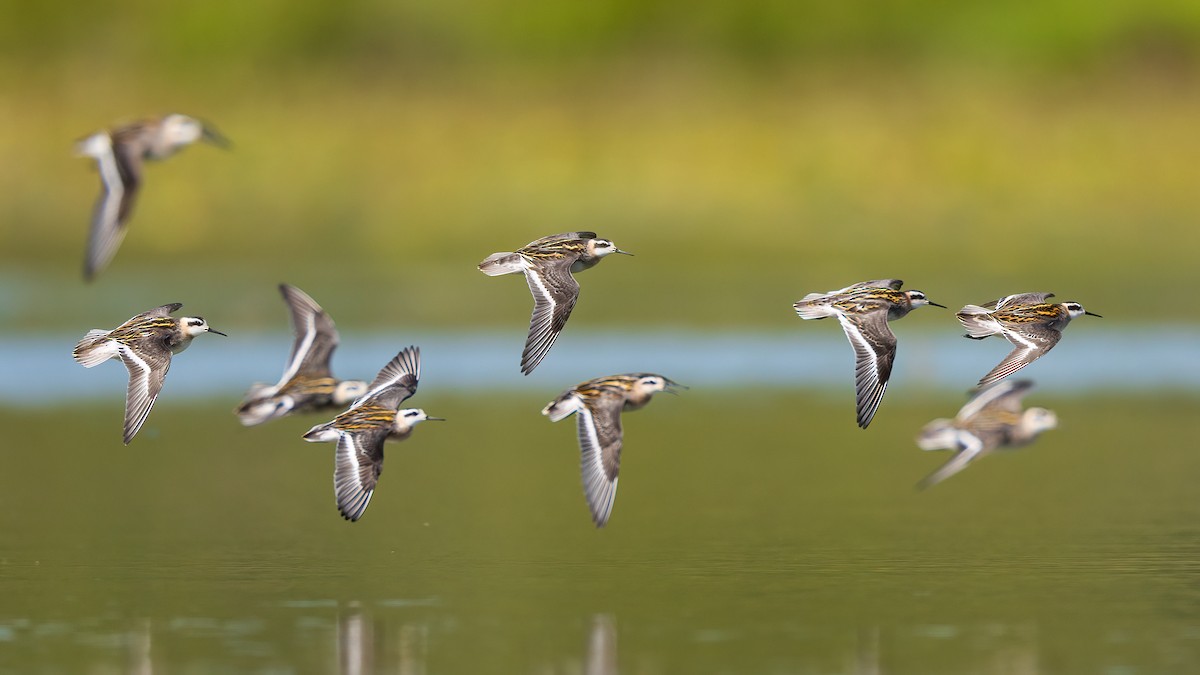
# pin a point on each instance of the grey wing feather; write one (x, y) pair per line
(893, 284)
(163, 310)
(1005, 395)
(565, 236)
(397, 381)
(358, 462)
(874, 351)
(970, 448)
(147, 372)
(1019, 299)
(316, 337)
(600, 441)
(1029, 345)
(554, 292)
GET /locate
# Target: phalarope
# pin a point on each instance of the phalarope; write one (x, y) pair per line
(307, 383)
(1026, 320)
(362, 429)
(991, 420)
(864, 310)
(547, 264)
(599, 403)
(119, 155)
(145, 344)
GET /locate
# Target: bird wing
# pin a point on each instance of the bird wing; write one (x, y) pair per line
(147, 371)
(893, 284)
(874, 351)
(315, 336)
(396, 382)
(555, 238)
(554, 294)
(970, 447)
(357, 464)
(1029, 342)
(120, 176)
(1004, 396)
(600, 439)
(1017, 299)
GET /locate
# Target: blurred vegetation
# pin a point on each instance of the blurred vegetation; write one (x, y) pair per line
(748, 153)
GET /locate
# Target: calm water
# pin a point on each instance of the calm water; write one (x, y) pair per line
(753, 533)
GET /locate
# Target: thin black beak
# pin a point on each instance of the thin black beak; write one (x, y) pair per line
(673, 387)
(211, 330)
(212, 136)
(435, 419)
(1090, 314)
(623, 252)
(936, 305)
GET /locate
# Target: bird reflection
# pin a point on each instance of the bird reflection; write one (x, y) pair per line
(361, 639)
(602, 647)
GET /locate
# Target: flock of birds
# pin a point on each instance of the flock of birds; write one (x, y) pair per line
(371, 414)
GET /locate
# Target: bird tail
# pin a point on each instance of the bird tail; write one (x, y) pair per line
(809, 307)
(257, 409)
(939, 434)
(977, 321)
(562, 407)
(95, 348)
(504, 262)
(322, 433)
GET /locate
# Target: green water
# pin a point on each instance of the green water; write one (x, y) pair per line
(753, 532)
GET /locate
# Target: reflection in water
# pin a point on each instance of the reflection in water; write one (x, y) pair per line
(139, 649)
(355, 643)
(602, 647)
(357, 648)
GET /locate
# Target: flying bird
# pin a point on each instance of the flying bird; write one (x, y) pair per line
(1026, 320)
(119, 154)
(307, 384)
(864, 310)
(597, 405)
(362, 429)
(144, 344)
(991, 420)
(548, 264)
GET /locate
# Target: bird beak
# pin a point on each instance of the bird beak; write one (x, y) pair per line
(435, 419)
(1090, 314)
(623, 252)
(212, 330)
(936, 305)
(212, 136)
(673, 387)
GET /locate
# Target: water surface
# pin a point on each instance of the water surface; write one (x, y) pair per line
(753, 532)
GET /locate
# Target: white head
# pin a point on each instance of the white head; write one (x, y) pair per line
(1076, 310)
(598, 248)
(191, 326)
(348, 390)
(1037, 420)
(917, 298)
(181, 129)
(409, 417)
(649, 383)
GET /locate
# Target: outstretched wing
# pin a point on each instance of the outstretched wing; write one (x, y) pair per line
(1029, 343)
(315, 336)
(599, 426)
(357, 464)
(970, 447)
(147, 372)
(396, 381)
(1002, 396)
(554, 294)
(874, 351)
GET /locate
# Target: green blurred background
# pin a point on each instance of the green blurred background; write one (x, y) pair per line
(747, 152)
